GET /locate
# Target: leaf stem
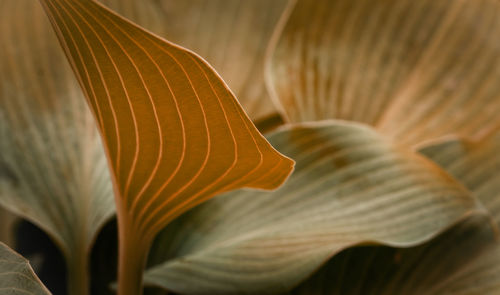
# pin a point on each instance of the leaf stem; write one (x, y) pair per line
(78, 272)
(132, 257)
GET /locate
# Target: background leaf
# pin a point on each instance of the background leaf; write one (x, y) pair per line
(351, 186)
(475, 164)
(464, 260)
(415, 70)
(231, 35)
(7, 224)
(53, 170)
(17, 276)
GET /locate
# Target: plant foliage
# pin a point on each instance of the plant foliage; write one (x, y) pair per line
(390, 120)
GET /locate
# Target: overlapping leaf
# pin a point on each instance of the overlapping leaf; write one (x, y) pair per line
(7, 223)
(17, 276)
(417, 70)
(475, 164)
(350, 186)
(174, 132)
(464, 260)
(231, 35)
(53, 169)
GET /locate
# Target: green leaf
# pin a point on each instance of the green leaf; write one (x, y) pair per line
(231, 35)
(463, 260)
(475, 164)
(417, 70)
(17, 276)
(351, 186)
(8, 222)
(53, 169)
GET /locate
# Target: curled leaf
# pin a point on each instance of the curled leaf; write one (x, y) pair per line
(463, 260)
(475, 164)
(174, 133)
(351, 186)
(417, 70)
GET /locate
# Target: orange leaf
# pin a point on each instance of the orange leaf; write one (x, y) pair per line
(232, 35)
(175, 134)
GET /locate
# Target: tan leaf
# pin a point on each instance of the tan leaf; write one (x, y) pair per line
(417, 70)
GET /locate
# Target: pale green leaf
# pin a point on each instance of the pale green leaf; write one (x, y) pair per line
(231, 35)
(53, 169)
(475, 164)
(417, 70)
(8, 222)
(351, 186)
(463, 260)
(17, 276)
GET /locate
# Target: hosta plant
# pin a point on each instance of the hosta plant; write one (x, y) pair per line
(378, 171)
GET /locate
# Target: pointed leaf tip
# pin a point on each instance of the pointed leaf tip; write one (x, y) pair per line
(175, 134)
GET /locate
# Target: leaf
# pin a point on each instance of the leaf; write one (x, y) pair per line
(417, 70)
(231, 35)
(174, 133)
(475, 164)
(8, 221)
(350, 186)
(463, 260)
(481, 276)
(53, 169)
(17, 276)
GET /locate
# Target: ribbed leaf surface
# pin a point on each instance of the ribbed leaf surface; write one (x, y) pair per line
(350, 186)
(231, 35)
(475, 164)
(174, 133)
(417, 70)
(17, 276)
(464, 260)
(53, 168)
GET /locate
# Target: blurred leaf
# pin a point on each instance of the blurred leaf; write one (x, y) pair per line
(7, 224)
(17, 276)
(53, 169)
(417, 70)
(463, 260)
(231, 35)
(475, 164)
(174, 133)
(350, 187)
(269, 123)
